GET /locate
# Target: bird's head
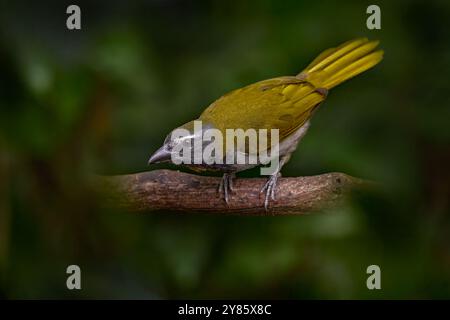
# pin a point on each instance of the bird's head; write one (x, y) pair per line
(177, 142)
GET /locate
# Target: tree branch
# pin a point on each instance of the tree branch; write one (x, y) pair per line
(178, 191)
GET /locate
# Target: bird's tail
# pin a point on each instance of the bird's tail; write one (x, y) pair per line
(336, 65)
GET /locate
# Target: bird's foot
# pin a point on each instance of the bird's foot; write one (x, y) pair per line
(270, 189)
(226, 185)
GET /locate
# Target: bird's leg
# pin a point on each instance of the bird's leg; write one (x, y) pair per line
(226, 185)
(270, 188)
(271, 185)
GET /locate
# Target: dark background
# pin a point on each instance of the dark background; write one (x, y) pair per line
(101, 100)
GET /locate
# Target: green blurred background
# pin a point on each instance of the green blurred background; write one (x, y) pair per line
(101, 100)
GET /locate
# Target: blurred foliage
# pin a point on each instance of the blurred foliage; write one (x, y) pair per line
(100, 100)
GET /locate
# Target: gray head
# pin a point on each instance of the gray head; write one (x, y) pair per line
(178, 141)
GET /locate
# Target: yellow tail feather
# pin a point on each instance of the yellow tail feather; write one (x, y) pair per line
(336, 65)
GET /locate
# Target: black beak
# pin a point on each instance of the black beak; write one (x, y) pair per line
(161, 155)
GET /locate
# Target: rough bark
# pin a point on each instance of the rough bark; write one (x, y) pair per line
(178, 191)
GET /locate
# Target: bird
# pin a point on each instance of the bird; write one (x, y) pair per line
(285, 103)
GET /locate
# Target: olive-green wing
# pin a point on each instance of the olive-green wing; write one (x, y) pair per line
(283, 103)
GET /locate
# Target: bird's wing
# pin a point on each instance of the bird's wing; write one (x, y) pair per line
(283, 103)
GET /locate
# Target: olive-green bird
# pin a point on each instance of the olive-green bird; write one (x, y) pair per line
(284, 103)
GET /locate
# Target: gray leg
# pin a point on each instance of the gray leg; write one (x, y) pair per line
(226, 185)
(271, 185)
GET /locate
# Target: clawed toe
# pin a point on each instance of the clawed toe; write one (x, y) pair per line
(226, 186)
(270, 189)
